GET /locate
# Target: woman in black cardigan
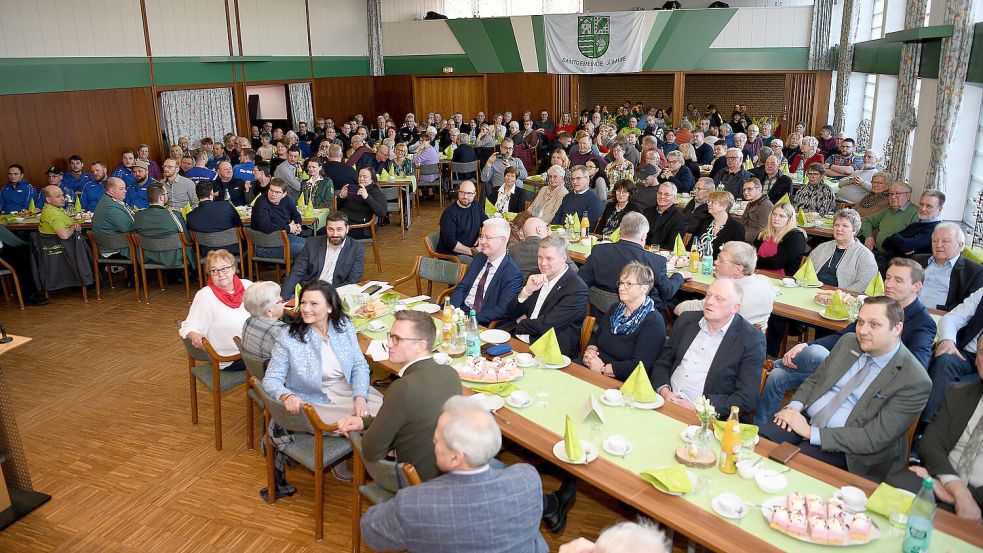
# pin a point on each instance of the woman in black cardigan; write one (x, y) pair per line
(361, 201)
(720, 228)
(632, 330)
(781, 244)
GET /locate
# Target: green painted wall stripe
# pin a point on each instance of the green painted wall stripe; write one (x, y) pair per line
(471, 34)
(285, 67)
(539, 32)
(31, 75)
(883, 57)
(341, 66)
(176, 71)
(687, 34)
(428, 65)
(502, 36)
(658, 27)
(754, 59)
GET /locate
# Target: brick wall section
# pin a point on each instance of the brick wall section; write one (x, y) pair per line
(612, 90)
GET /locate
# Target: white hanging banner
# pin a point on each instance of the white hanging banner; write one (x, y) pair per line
(595, 43)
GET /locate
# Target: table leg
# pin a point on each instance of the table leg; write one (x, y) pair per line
(402, 219)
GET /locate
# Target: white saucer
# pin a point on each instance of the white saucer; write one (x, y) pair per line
(618, 403)
(741, 513)
(564, 364)
(427, 308)
(376, 326)
(494, 336)
(442, 358)
(590, 452)
(517, 405)
(650, 405)
(608, 450)
(489, 401)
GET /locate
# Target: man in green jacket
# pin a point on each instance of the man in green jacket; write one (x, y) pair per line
(898, 214)
(112, 215)
(159, 222)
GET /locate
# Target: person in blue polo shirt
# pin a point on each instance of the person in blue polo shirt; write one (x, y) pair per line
(244, 169)
(17, 193)
(124, 171)
(218, 156)
(136, 195)
(94, 188)
(200, 172)
(56, 177)
(76, 177)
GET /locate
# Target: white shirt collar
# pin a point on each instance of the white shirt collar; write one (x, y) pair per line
(950, 263)
(479, 470)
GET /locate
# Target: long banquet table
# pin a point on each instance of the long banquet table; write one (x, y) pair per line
(655, 434)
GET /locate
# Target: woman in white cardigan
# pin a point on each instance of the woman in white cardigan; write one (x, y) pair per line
(844, 262)
(217, 312)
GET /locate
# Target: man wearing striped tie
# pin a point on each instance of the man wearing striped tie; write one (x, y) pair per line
(493, 279)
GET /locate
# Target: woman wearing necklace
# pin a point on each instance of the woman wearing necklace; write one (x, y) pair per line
(632, 330)
(509, 198)
(318, 188)
(720, 228)
(616, 207)
(781, 245)
(844, 262)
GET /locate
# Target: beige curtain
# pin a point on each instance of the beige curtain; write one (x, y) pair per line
(819, 53)
(844, 61)
(896, 148)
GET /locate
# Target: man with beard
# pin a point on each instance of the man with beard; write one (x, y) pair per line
(136, 195)
(180, 190)
(333, 258)
(460, 224)
(94, 189)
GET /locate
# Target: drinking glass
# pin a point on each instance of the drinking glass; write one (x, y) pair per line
(597, 433)
(627, 401)
(542, 398)
(899, 523)
(704, 488)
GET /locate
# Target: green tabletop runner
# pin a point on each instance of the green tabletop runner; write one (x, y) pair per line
(320, 213)
(401, 180)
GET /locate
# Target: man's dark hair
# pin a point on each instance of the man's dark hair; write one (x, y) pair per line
(338, 216)
(423, 327)
(720, 142)
(203, 189)
(155, 191)
(293, 149)
(74, 157)
(17, 166)
(263, 166)
(850, 140)
(895, 313)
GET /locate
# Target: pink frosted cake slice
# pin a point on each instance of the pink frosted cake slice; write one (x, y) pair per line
(797, 525)
(795, 502)
(780, 519)
(836, 532)
(818, 532)
(860, 528)
(815, 506)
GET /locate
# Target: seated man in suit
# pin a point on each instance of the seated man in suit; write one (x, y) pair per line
(666, 221)
(604, 265)
(956, 353)
(713, 353)
(333, 257)
(915, 238)
(904, 280)
(581, 200)
(525, 252)
(555, 298)
(406, 421)
(159, 222)
(451, 513)
(855, 410)
(212, 216)
(464, 153)
(949, 277)
(947, 450)
(460, 224)
(112, 215)
(493, 280)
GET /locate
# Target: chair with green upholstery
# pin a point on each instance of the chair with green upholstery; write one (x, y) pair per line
(254, 367)
(600, 300)
(434, 270)
(99, 243)
(224, 239)
(430, 242)
(172, 243)
(203, 366)
(387, 477)
(256, 239)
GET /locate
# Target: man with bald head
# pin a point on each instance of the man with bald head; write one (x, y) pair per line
(54, 220)
(526, 250)
(460, 224)
(228, 187)
(713, 353)
(112, 215)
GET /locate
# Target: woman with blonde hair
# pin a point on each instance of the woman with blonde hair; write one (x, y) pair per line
(689, 159)
(782, 243)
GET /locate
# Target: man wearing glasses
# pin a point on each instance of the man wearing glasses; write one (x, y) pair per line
(582, 200)
(493, 279)
(898, 214)
(494, 172)
(734, 176)
(408, 417)
(460, 224)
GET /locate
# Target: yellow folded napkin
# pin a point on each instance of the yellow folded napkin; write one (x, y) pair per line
(504, 389)
(876, 286)
(638, 386)
(31, 207)
(748, 431)
(301, 202)
(836, 308)
(449, 151)
(575, 451)
(384, 175)
(887, 500)
(807, 273)
(616, 235)
(78, 204)
(353, 167)
(297, 297)
(547, 348)
(679, 249)
(185, 210)
(309, 210)
(785, 199)
(800, 218)
(490, 208)
(672, 479)
(252, 203)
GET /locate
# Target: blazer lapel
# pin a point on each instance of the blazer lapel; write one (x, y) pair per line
(849, 357)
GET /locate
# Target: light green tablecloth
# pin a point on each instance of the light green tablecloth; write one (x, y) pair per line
(320, 213)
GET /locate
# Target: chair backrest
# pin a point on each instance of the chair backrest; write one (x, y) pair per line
(439, 270)
(166, 244)
(279, 413)
(262, 240)
(601, 300)
(430, 241)
(110, 242)
(467, 167)
(432, 169)
(384, 472)
(254, 365)
(585, 333)
(218, 239)
(195, 353)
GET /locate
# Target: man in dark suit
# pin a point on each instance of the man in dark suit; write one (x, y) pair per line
(713, 353)
(333, 258)
(916, 238)
(464, 153)
(855, 410)
(664, 218)
(341, 174)
(212, 216)
(525, 252)
(474, 506)
(493, 280)
(949, 277)
(956, 353)
(948, 453)
(555, 298)
(406, 421)
(604, 265)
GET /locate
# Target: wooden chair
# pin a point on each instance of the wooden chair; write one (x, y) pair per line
(599, 301)
(586, 330)
(430, 243)
(426, 170)
(328, 450)
(385, 477)
(175, 242)
(256, 239)
(373, 242)
(7, 272)
(687, 238)
(112, 242)
(222, 239)
(434, 270)
(203, 366)
(255, 367)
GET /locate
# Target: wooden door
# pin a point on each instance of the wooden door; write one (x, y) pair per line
(447, 94)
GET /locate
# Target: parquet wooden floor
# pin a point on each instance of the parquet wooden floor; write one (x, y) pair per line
(101, 396)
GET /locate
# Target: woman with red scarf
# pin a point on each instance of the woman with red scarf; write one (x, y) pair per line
(217, 313)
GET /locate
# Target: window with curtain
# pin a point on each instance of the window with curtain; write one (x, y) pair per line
(975, 187)
(196, 114)
(301, 106)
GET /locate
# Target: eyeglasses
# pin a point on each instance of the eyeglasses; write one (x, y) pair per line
(221, 270)
(734, 157)
(396, 339)
(895, 194)
(463, 193)
(485, 237)
(626, 284)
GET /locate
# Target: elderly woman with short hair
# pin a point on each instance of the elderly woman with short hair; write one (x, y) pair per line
(217, 313)
(264, 325)
(844, 261)
(815, 196)
(677, 173)
(809, 153)
(620, 168)
(877, 199)
(550, 197)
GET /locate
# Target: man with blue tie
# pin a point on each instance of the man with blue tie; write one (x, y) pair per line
(855, 410)
(493, 279)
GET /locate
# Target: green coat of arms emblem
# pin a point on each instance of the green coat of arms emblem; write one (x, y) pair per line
(593, 35)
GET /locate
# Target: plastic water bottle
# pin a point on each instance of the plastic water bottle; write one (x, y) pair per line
(473, 341)
(921, 519)
(799, 175)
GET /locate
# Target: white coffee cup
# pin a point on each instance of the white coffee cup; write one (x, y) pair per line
(523, 359)
(853, 498)
(788, 281)
(585, 242)
(618, 444)
(376, 326)
(612, 395)
(747, 468)
(519, 397)
(730, 503)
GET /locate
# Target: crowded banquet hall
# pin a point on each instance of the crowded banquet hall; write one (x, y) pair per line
(491, 276)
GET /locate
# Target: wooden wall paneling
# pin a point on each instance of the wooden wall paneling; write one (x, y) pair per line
(678, 97)
(241, 106)
(566, 97)
(467, 94)
(392, 94)
(820, 105)
(799, 92)
(519, 92)
(340, 97)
